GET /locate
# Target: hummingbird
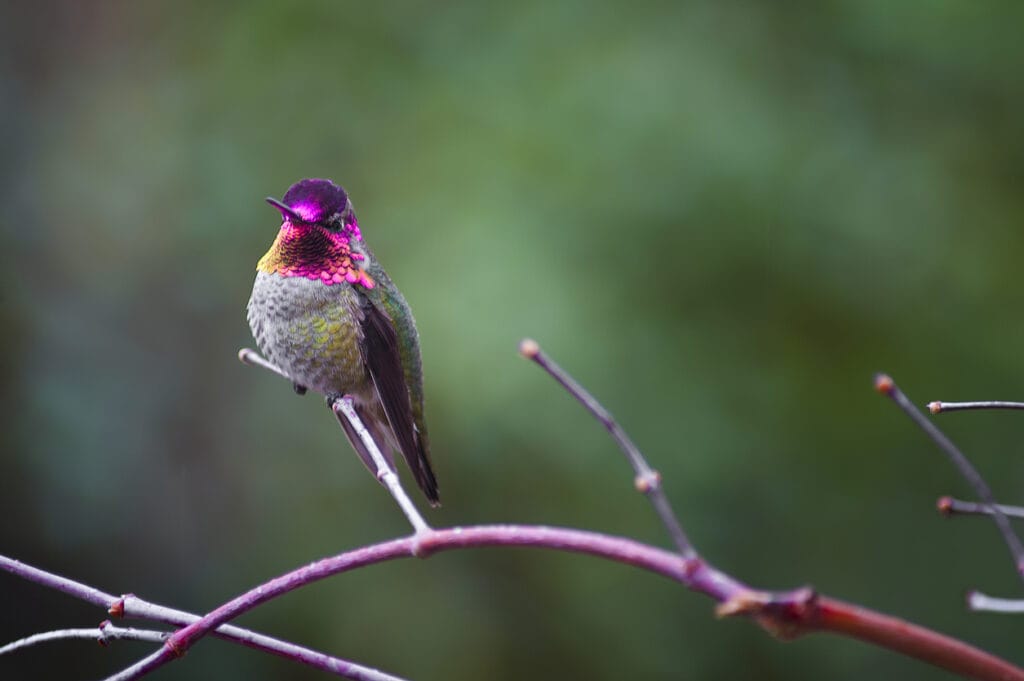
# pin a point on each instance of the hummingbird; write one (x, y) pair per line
(327, 314)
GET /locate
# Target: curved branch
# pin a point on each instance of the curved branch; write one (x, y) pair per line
(102, 634)
(786, 615)
(133, 607)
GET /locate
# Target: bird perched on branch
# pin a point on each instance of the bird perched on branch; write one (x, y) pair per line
(327, 314)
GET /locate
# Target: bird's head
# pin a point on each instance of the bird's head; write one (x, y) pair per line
(320, 203)
(319, 237)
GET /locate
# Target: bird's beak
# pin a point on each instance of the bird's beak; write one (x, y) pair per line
(286, 212)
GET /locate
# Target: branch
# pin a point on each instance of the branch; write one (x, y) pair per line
(913, 641)
(939, 407)
(343, 409)
(980, 602)
(254, 359)
(885, 385)
(948, 506)
(131, 606)
(648, 480)
(102, 634)
(786, 615)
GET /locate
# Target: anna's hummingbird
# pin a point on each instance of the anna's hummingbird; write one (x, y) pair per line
(325, 312)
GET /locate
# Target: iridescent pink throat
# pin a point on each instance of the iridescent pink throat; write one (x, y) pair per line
(314, 252)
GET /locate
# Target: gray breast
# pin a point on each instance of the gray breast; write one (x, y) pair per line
(310, 330)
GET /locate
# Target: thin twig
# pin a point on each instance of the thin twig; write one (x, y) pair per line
(343, 409)
(980, 602)
(102, 634)
(786, 615)
(939, 407)
(253, 358)
(135, 607)
(885, 385)
(132, 606)
(647, 480)
(82, 592)
(950, 506)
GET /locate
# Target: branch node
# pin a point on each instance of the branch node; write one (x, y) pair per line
(116, 608)
(784, 615)
(745, 602)
(176, 648)
(691, 566)
(422, 544)
(650, 480)
(102, 638)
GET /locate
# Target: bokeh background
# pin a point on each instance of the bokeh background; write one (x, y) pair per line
(723, 217)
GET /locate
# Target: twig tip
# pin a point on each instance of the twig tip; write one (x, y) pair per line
(529, 348)
(935, 407)
(884, 384)
(945, 505)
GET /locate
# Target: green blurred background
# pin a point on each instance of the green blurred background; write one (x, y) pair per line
(723, 217)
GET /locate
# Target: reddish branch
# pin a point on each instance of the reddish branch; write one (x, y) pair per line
(786, 615)
(911, 640)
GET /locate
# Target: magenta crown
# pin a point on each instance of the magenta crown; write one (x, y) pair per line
(311, 200)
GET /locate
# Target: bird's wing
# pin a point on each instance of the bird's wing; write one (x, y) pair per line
(392, 357)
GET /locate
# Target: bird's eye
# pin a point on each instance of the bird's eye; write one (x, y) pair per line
(335, 223)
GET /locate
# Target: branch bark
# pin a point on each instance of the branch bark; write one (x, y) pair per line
(133, 607)
(786, 615)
